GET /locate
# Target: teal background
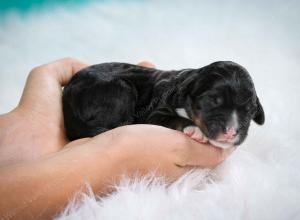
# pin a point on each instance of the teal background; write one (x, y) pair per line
(26, 5)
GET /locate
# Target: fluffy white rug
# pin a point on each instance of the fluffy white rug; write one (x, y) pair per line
(261, 179)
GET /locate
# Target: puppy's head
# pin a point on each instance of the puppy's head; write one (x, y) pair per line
(220, 98)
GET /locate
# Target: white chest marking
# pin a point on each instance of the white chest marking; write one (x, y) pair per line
(182, 112)
(234, 121)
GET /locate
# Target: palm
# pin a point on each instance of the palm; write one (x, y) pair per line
(38, 120)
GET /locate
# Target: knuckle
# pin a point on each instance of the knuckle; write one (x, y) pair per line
(37, 71)
(69, 60)
(219, 158)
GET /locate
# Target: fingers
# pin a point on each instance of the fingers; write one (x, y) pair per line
(66, 68)
(41, 100)
(184, 152)
(62, 69)
(77, 142)
(146, 64)
(44, 82)
(206, 155)
(40, 106)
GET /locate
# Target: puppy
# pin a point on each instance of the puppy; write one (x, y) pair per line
(215, 103)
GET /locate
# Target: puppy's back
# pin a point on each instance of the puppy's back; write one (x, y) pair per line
(104, 96)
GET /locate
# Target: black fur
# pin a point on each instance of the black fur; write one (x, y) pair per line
(108, 95)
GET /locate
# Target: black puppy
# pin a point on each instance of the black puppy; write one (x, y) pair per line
(214, 103)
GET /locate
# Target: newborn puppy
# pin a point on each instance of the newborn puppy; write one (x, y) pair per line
(215, 103)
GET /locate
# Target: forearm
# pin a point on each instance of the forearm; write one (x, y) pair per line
(41, 188)
(24, 137)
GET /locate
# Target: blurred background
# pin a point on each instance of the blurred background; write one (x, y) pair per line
(263, 36)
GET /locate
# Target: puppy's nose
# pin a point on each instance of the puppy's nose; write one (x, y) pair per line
(230, 133)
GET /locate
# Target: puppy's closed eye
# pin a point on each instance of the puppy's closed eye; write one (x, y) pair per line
(209, 101)
(216, 101)
(213, 101)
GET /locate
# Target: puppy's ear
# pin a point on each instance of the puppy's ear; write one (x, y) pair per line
(259, 116)
(189, 82)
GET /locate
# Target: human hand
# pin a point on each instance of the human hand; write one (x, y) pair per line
(35, 127)
(33, 136)
(136, 150)
(145, 148)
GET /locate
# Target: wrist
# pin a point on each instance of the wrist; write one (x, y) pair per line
(97, 161)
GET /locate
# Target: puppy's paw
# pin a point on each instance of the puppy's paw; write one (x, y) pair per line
(195, 133)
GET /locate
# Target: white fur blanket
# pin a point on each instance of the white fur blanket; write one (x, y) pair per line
(261, 179)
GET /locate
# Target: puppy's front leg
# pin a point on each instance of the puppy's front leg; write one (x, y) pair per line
(195, 133)
(167, 117)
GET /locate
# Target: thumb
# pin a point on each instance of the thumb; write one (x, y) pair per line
(206, 155)
(43, 86)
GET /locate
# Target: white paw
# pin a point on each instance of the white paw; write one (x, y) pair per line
(195, 133)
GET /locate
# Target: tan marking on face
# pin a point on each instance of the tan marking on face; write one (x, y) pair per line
(196, 120)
